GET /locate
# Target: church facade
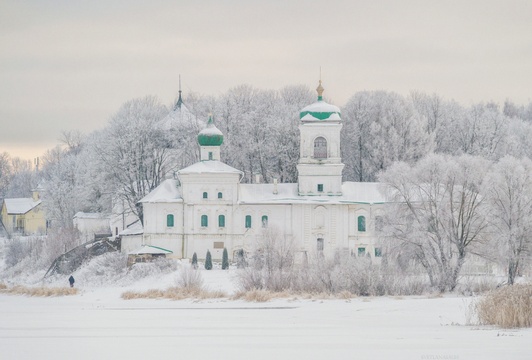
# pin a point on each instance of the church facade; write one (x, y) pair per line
(208, 208)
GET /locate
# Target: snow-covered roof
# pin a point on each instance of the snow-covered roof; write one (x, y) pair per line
(167, 191)
(333, 116)
(209, 166)
(320, 111)
(86, 215)
(149, 249)
(352, 192)
(180, 115)
(20, 205)
(135, 228)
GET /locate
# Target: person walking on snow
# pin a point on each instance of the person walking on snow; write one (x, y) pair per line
(71, 281)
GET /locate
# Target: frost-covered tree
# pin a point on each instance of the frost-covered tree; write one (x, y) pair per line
(481, 131)
(61, 198)
(23, 179)
(508, 191)
(379, 129)
(435, 215)
(5, 173)
(133, 152)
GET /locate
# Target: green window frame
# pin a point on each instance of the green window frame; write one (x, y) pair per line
(361, 223)
(264, 221)
(320, 187)
(204, 221)
(361, 251)
(378, 252)
(248, 221)
(205, 195)
(210, 155)
(170, 220)
(221, 221)
(220, 195)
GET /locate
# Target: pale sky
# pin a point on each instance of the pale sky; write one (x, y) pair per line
(69, 65)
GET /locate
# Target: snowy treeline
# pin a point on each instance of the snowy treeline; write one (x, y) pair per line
(463, 171)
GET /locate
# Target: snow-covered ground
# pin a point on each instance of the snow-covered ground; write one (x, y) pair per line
(98, 324)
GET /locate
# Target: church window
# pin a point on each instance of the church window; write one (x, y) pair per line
(361, 223)
(320, 244)
(264, 221)
(221, 221)
(248, 221)
(170, 220)
(320, 148)
(204, 221)
(220, 195)
(205, 195)
(320, 187)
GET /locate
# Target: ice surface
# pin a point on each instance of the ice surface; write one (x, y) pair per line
(97, 323)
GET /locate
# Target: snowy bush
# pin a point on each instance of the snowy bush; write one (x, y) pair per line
(340, 275)
(188, 277)
(16, 251)
(106, 269)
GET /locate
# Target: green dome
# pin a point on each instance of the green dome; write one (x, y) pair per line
(211, 135)
(320, 110)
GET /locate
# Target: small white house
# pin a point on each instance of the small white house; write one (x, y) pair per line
(89, 224)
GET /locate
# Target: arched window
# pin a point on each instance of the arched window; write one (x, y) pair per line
(204, 221)
(221, 220)
(170, 220)
(220, 195)
(205, 195)
(320, 148)
(264, 221)
(248, 221)
(361, 223)
(320, 244)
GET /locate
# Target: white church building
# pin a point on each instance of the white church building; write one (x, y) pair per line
(208, 208)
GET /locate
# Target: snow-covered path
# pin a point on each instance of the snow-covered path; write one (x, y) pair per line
(97, 324)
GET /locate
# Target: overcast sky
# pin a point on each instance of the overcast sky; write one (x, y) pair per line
(69, 65)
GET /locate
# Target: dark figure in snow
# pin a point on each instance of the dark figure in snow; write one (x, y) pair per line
(71, 281)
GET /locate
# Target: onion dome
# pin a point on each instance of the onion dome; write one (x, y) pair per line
(320, 110)
(211, 135)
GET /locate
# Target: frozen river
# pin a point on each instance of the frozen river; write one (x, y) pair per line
(97, 324)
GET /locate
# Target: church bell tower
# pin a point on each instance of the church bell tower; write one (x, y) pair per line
(320, 164)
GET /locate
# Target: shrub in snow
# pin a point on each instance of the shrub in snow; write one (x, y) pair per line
(188, 277)
(508, 307)
(106, 269)
(195, 261)
(208, 261)
(341, 275)
(241, 259)
(16, 251)
(225, 260)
